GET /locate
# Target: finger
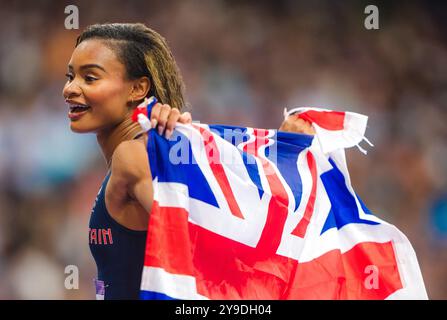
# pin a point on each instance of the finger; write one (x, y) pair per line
(310, 129)
(305, 126)
(155, 114)
(284, 126)
(172, 120)
(185, 118)
(163, 119)
(292, 124)
(297, 125)
(295, 119)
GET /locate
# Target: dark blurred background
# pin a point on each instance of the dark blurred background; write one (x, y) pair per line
(243, 62)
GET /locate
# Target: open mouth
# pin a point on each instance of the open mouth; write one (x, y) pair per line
(78, 108)
(76, 111)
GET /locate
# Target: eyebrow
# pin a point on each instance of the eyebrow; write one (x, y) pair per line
(88, 66)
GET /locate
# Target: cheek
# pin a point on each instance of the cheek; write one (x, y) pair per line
(109, 96)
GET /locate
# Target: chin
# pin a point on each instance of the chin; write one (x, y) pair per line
(77, 128)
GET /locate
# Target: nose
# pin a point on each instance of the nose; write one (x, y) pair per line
(71, 89)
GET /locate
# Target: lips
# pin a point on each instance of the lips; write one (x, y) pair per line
(77, 110)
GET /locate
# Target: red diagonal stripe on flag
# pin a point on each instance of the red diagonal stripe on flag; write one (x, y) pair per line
(278, 206)
(213, 156)
(300, 229)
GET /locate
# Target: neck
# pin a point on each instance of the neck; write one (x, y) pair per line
(109, 139)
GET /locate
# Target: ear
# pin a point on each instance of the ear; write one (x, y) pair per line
(139, 90)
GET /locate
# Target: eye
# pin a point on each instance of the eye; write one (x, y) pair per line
(69, 76)
(90, 78)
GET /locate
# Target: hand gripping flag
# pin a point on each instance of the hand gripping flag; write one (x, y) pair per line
(244, 213)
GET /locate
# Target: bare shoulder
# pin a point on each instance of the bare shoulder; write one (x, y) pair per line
(130, 160)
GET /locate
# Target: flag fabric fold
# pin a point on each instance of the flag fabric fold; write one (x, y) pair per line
(334, 129)
(246, 213)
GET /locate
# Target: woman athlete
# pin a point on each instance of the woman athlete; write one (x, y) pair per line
(113, 68)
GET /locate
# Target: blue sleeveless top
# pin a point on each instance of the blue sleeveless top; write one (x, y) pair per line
(118, 253)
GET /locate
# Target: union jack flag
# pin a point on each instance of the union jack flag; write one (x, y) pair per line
(244, 213)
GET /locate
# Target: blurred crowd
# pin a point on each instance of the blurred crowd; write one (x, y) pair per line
(242, 63)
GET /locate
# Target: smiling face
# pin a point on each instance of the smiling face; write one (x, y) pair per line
(97, 90)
